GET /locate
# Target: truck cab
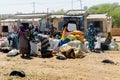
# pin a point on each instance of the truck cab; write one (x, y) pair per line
(74, 23)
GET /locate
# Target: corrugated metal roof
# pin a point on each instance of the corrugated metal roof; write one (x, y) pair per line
(75, 12)
(57, 16)
(31, 15)
(97, 16)
(9, 20)
(13, 20)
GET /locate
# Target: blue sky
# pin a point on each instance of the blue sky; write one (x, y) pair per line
(26, 6)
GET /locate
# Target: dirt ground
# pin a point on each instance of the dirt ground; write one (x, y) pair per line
(88, 68)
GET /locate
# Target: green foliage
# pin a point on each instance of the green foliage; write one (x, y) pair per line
(116, 16)
(111, 9)
(103, 8)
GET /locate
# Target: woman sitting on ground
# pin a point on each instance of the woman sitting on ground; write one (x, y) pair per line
(105, 45)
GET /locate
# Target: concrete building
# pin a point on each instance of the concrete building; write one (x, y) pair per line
(103, 22)
(100, 21)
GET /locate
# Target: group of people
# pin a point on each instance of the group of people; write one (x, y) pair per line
(96, 44)
(21, 39)
(24, 40)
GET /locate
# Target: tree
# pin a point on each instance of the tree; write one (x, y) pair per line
(116, 16)
(111, 9)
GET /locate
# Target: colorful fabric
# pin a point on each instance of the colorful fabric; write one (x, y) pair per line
(62, 42)
(44, 43)
(31, 35)
(91, 36)
(24, 44)
(70, 38)
(63, 33)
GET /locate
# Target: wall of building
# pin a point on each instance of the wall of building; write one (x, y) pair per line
(55, 22)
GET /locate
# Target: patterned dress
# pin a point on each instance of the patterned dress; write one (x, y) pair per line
(24, 45)
(91, 36)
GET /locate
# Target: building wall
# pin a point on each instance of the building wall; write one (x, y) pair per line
(55, 22)
(104, 24)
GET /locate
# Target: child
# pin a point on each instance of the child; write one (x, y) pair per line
(113, 45)
(98, 44)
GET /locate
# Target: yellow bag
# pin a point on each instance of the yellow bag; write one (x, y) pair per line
(80, 37)
(77, 32)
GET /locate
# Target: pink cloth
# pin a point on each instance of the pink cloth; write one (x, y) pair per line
(15, 28)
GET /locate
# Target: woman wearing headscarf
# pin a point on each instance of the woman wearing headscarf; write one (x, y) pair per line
(24, 45)
(105, 45)
(91, 36)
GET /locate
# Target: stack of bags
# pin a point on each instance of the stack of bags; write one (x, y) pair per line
(79, 35)
(71, 49)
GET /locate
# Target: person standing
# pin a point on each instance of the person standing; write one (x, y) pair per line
(98, 44)
(37, 29)
(24, 45)
(91, 37)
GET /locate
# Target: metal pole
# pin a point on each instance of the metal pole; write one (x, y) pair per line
(47, 13)
(72, 4)
(80, 4)
(33, 7)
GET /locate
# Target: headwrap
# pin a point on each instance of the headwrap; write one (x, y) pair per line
(22, 28)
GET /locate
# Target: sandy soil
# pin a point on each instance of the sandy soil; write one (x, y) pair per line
(88, 68)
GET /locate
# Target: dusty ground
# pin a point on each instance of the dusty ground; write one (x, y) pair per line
(87, 68)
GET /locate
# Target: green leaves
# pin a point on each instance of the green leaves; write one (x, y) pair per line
(111, 9)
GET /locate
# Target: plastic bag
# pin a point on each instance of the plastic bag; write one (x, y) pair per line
(70, 38)
(80, 37)
(13, 52)
(54, 44)
(72, 49)
(33, 48)
(113, 46)
(85, 47)
(4, 42)
(77, 32)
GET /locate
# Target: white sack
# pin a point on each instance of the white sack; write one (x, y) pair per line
(54, 44)
(13, 52)
(4, 42)
(33, 48)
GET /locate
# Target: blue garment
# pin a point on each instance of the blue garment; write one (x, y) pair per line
(36, 29)
(60, 25)
(14, 39)
(62, 42)
(15, 42)
(47, 24)
(91, 36)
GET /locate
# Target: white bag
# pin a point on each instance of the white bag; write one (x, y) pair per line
(54, 44)
(75, 45)
(85, 47)
(13, 52)
(113, 46)
(4, 42)
(33, 48)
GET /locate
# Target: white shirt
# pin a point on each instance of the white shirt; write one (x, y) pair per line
(98, 43)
